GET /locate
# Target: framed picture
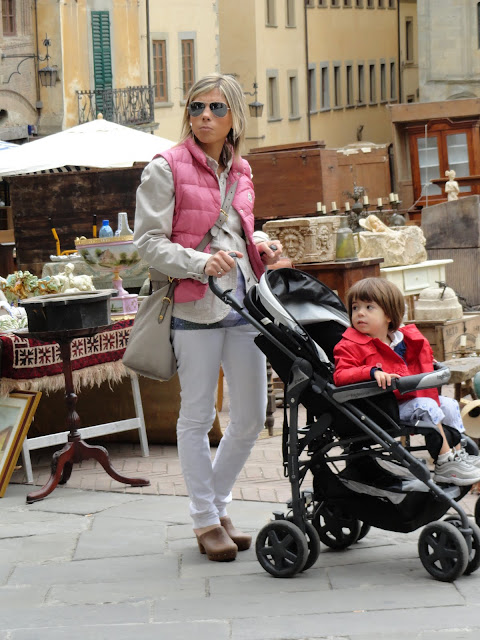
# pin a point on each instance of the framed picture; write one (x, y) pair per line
(16, 414)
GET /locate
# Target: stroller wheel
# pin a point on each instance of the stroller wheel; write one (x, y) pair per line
(443, 551)
(474, 558)
(313, 543)
(364, 529)
(335, 528)
(281, 548)
(477, 512)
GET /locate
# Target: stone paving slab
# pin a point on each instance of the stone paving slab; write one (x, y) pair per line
(158, 585)
(211, 630)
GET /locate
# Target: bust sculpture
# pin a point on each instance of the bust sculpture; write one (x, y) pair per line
(451, 186)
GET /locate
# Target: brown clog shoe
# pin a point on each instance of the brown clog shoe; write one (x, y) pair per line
(218, 545)
(242, 540)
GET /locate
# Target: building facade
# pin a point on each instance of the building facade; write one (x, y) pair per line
(179, 45)
(95, 49)
(449, 66)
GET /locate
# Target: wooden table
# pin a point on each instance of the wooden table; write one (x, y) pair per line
(340, 275)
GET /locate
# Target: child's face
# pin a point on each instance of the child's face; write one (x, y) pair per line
(370, 319)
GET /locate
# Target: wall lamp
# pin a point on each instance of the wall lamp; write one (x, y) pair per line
(47, 74)
(255, 107)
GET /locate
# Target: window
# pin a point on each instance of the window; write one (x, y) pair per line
(370, 4)
(429, 164)
(383, 82)
(290, 13)
(392, 4)
(188, 66)
(372, 77)
(337, 85)
(102, 63)
(359, 4)
(160, 70)
(381, 4)
(457, 155)
(8, 18)
(393, 81)
(361, 84)
(408, 40)
(322, 3)
(435, 148)
(335, 3)
(312, 88)
(293, 110)
(272, 95)
(347, 4)
(271, 16)
(324, 87)
(349, 79)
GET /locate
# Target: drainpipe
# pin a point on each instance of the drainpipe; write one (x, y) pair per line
(38, 104)
(149, 73)
(147, 11)
(400, 68)
(305, 9)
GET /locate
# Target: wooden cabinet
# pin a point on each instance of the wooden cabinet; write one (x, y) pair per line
(440, 146)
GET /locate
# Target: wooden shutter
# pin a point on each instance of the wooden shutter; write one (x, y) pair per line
(102, 61)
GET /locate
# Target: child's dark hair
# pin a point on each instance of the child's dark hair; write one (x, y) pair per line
(384, 293)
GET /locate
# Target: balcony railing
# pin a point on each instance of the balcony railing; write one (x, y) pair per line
(132, 105)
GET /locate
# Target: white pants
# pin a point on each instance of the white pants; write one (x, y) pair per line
(427, 409)
(199, 355)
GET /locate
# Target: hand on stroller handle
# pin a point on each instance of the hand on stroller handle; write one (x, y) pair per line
(220, 293)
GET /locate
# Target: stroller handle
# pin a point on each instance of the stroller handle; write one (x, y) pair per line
(436, 378)
(226, 296)
(406, 384)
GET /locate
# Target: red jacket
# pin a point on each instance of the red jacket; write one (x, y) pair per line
(357, 353)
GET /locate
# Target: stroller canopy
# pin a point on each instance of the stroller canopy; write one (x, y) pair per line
(302, 303)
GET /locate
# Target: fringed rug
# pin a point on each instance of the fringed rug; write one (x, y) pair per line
(32, 365)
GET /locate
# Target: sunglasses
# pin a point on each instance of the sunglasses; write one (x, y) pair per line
(218, 109)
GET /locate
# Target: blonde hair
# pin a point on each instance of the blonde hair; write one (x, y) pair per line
(234, 98)
(384, 293)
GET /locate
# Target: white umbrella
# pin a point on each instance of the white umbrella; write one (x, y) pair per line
(98, 143)
(4, 146)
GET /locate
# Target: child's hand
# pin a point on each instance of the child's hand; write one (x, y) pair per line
(384, 379)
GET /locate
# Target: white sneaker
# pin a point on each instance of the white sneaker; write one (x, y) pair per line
(455, 470)
(468, 457)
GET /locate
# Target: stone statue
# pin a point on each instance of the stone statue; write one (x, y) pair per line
(397, 245)
(72, 283)
(451, 186)
(373, 223)
(293, 242)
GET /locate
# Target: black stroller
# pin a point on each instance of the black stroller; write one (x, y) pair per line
(353, 443)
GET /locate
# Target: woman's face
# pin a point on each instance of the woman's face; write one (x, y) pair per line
(208, 128)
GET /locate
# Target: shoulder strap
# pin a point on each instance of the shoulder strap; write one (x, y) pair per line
(222, 217)
(158, 277)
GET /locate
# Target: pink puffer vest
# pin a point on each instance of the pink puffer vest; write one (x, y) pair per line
(197, 206)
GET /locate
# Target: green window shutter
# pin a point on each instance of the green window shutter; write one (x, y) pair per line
(102, 60)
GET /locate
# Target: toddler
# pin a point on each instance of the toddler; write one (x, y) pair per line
(377, 347)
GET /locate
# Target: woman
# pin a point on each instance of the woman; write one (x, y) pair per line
(178, 202)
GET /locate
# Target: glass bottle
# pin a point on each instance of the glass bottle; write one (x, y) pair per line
(123, 228)
(345, 244)
(106, 230)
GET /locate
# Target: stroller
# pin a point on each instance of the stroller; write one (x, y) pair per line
(353, 443)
